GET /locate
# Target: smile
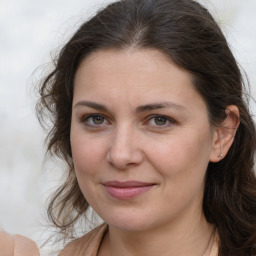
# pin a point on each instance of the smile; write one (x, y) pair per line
(127, 190)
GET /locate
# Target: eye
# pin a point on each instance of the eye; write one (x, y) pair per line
(160, 121)
(97, 119)
(94, 120)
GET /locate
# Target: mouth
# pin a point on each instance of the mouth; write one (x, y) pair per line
(128, 189)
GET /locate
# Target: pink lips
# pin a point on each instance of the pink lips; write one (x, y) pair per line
(128, 189)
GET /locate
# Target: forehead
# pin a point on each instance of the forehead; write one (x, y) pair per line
(140, 74)
(139, 65)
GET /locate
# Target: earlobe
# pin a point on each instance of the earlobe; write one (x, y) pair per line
(224, 134)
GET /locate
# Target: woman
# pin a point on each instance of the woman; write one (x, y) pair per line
(149, 114)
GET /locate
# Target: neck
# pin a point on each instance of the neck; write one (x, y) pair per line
(183, 239)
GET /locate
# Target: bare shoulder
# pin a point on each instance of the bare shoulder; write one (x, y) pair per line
(89, 243)
(25, 246)
(17, 245)
(6, 244)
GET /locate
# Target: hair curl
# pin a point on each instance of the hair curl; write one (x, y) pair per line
(187, 33)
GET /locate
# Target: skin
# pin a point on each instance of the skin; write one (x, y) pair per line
(17, 245)
(167, 144)
(6, 244)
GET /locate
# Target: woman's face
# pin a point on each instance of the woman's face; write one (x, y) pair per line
(141, 139)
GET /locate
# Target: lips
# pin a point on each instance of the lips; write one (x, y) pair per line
(128, 189)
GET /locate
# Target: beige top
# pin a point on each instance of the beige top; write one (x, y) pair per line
(17, 246)
(88, 245)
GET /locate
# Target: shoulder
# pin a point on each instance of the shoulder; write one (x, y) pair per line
(89, 243)
(25, 246)
(17, 245)
(6, 244)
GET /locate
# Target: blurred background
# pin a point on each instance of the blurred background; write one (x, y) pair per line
(29, 32)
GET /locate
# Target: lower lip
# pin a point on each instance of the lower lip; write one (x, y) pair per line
(128, 192)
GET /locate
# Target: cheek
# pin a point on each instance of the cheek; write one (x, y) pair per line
(182, 162)
(87, 157)
(186, 153)
(87, 153)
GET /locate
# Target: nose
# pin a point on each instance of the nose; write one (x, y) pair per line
(125, 149)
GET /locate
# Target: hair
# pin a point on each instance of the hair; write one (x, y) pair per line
(187, 33)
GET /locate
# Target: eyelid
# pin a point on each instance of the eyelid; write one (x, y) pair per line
(84, 118)
(169, 119)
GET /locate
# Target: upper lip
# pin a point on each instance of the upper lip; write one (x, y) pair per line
(127, 184)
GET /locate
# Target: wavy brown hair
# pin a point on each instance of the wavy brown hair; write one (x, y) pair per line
(187, 33)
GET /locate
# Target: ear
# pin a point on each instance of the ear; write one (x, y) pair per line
(223, 135)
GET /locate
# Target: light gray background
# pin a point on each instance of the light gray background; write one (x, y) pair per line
(29, 31)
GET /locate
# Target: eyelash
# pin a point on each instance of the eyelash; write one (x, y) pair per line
(86, 120)
(89, 122)
(168, 121)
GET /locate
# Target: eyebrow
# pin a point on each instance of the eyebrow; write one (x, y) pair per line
(153, 106)
(90, 104)
(143, 108)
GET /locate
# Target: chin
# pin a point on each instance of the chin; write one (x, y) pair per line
(132, 226)
(130, 221)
